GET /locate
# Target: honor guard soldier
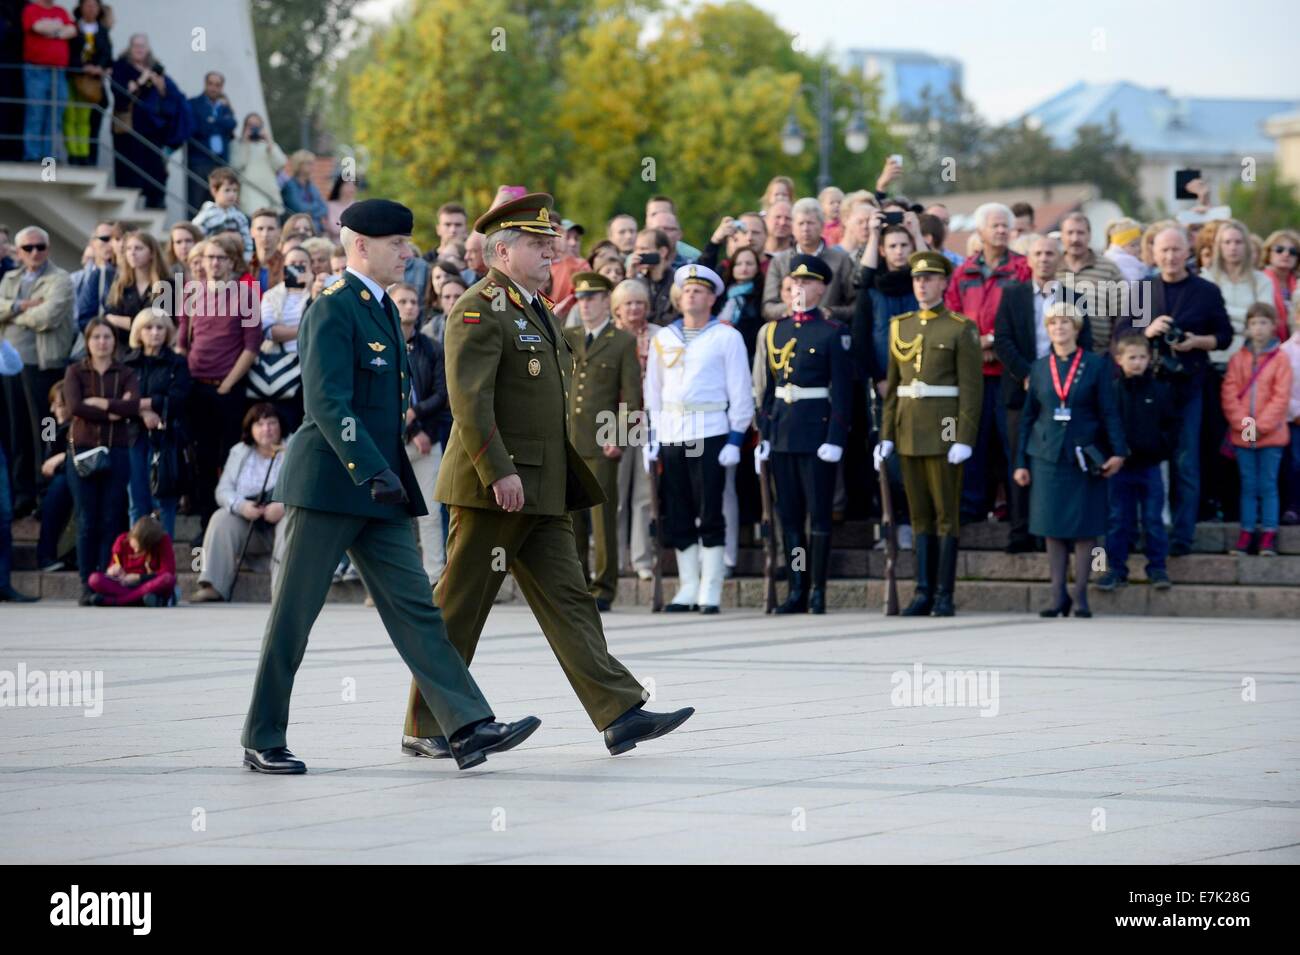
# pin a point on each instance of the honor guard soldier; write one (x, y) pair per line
(700, 399)
(932, 412)
(804, 411)
(606, 390)
(347, 485)
(511, 476)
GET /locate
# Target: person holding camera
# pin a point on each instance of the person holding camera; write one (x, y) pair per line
(651, 261)
(257, 158)
(1190, 320)
(1071, 439)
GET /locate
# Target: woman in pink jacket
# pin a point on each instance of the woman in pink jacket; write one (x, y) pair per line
(1256, 397)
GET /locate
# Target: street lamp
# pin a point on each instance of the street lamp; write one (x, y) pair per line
(856, 136)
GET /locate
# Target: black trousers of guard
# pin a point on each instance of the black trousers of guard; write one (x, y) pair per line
(805, 487)
(690, 493)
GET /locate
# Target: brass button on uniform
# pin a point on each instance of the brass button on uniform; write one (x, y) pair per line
(351, 466)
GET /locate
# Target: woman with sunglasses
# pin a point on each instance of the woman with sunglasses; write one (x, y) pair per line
(1280, 260)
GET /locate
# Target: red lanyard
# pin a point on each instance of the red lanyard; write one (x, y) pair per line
(1063, 393)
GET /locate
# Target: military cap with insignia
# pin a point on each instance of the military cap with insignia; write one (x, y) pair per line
(591, 283)
(929, 262)
(531, 212)
(378, 217)
(699, 275)
(810, 267)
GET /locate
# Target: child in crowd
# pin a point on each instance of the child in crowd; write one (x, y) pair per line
(56, 505)
(1291, 467)
(1256, 394)
(831, 199)
(142, 570)
(222, 212)
(1146, 407)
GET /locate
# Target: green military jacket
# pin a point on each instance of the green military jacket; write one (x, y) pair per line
(936, 347)
(508, 380)
(356, 387)
(608, 375)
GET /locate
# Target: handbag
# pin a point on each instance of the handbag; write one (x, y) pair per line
(169, 466)
(91, 462)
(275, 375)
(1091, 461)
(89, 89)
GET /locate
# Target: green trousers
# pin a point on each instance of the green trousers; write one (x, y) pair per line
(385, 554)
(600, 522)
(933, 489)
(538, 551)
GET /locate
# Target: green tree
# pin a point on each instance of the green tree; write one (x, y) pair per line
(1099, 156)
(945, 144)
(1265, 205)
(294, 40)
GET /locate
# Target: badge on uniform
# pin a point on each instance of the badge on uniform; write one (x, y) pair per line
(522, 323)
(1061, 414)
(378, 362)
(470, 318)
(846, 341)
(376, 346)
(530, 338)
(534, 367)
(365, 296)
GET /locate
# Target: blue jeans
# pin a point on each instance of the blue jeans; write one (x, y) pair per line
(101, 511)
(1258, 467)
(6, 522)
(43, 122)
(1185, 469)
(56, 508)
(976, 479)
(142, 500)
(1290, 479)
(1134, 492)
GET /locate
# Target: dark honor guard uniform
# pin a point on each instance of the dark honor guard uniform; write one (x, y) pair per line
(932, 411)
(606, 390)
(347, 486)
(509, 376)
(804, 413)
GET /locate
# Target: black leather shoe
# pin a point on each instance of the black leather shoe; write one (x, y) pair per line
(435, 747)
(603, 605)
(637, 726)
(709, 608)
(10, 595)
(278, 761)
(1059, 610)
(471, 748)
(681, 608)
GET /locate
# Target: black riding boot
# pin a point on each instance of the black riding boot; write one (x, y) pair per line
(926, 551)
(796, 555)
(946, 582)
(821, 566)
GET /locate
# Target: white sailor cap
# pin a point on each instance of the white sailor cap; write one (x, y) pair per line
(698, 273)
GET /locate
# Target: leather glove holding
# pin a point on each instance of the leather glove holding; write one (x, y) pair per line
(386, 488)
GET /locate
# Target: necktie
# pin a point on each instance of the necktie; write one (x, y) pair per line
(590, 339)
(546, 322)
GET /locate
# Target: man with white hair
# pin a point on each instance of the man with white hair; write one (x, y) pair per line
(976, 291)
(838, 300)
(37, 316)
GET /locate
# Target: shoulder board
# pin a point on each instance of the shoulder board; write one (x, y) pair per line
(958, 316)
(901, 315)
(832, 322)
(488, 291)
(334, 288)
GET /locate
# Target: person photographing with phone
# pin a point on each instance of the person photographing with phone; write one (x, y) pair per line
(257, 157)
(651, 261)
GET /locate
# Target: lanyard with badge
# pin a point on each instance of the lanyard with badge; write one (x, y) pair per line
(1062, 412)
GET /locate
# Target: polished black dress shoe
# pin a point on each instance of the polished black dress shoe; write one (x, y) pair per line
(709, 608)
(638, 725)
(681, 608)
(434, 747)
(278, 761)
(469, 748)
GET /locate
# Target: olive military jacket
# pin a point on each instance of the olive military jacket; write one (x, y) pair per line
(608, 375)
(509, 371)
(946, 347)
(356, 386)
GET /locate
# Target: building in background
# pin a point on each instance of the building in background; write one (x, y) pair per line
(905, 75)
(1217, 136)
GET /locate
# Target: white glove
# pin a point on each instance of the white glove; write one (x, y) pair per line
(830, 453)
(761, 454)
(958, 453)
(651, 455)
(729, 456)
(883, 450)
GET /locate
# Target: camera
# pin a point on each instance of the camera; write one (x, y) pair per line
(649, 258)
(740, 226)
(893, 217)
(255, 133)
(1174, 334)
(293, 277)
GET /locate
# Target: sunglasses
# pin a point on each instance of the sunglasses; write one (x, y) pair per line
(1285, 250)
(38, 247)
(104, 238)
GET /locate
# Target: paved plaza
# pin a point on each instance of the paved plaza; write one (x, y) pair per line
(847, 738)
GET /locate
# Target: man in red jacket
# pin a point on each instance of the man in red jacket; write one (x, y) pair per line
(976, 291)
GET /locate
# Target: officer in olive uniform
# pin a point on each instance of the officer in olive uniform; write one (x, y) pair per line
(347, 486)
(510, 476)
(606, 392)
(805, 408)
(932, 411)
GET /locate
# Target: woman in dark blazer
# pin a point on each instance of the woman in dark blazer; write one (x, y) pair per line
(1060, 438)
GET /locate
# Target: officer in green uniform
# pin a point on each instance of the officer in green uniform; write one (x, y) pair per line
(604, 397)
(510, 476)
(932, 411)
(347, 486)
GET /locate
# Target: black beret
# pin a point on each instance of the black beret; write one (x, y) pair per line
(378, 217)
(810, 266)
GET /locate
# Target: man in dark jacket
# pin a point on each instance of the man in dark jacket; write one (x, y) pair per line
(213, 126)
(1150, 419)
(1020, 339)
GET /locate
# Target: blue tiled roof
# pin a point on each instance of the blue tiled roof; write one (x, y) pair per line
(1152, 121)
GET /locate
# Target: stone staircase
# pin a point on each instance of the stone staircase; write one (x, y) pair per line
(1210, 582)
